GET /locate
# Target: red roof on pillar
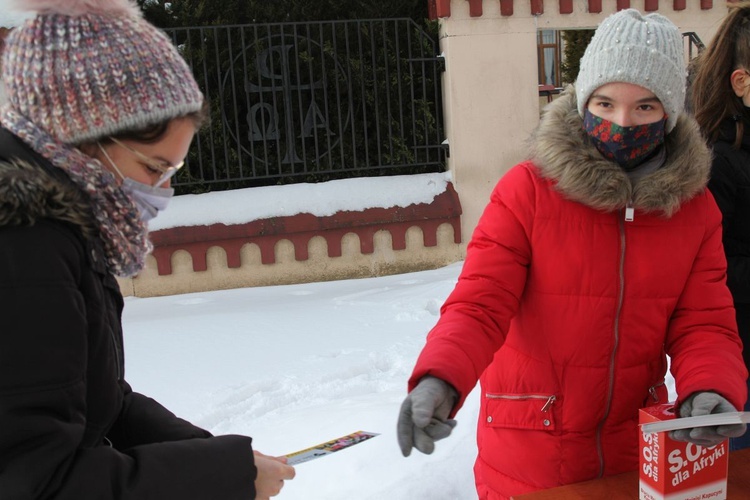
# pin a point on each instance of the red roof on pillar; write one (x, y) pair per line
(438, 8)
(442, 8)
(475, 8)
(506, 7)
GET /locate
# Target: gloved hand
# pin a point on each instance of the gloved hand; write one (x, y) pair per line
(423, 418)
(706, 403)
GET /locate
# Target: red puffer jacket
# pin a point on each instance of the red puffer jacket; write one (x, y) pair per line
(567, 310)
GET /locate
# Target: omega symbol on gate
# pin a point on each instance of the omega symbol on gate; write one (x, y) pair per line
(285, 101)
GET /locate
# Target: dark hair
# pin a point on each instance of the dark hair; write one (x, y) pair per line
(712, 96)
(155, 132)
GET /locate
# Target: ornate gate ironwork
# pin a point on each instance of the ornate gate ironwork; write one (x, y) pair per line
(300, 102)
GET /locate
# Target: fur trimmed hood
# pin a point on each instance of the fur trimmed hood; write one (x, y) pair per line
(29, 193)
(563, 152)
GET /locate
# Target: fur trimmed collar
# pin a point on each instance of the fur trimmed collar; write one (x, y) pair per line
(29, 193)
(563, 152)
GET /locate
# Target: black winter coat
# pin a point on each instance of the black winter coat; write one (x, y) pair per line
(730, 185)
(70, 425)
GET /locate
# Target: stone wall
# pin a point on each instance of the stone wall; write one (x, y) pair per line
(302, 248)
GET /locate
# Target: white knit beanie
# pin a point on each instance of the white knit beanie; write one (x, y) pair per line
(632, 48)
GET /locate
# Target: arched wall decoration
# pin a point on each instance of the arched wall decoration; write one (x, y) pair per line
(442, 8)
(301, 228)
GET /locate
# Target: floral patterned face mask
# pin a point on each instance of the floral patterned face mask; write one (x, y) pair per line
(627, 146)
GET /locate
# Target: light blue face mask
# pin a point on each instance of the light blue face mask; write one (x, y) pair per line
(150, 200)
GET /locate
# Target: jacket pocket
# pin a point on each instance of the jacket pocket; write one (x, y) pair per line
(521, 411)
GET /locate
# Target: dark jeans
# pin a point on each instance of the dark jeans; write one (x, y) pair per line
(743, 324)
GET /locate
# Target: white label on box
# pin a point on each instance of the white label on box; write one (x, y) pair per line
(712, 491)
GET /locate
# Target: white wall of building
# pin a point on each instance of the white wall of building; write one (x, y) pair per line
(490, 84)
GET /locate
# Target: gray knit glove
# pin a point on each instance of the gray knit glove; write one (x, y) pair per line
(706, 403)
(423, 418)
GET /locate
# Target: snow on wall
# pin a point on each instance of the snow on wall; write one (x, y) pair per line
(322, 199)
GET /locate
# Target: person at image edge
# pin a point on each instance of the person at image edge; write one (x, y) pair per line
(594, 260)
(100, 112)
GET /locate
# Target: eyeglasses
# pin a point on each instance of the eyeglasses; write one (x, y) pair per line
(166, 172)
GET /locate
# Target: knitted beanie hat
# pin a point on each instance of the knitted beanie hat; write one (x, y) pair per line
(85, 69)
(643, 50)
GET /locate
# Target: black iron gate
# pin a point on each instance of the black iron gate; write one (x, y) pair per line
(302, 102)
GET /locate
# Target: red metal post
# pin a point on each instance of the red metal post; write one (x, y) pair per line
(566, 6)
(537, 7)
(475, 8)
(595, 6)
(623, 4)
(679, 4)
(707, 4)
(506, 7)
(651, 5)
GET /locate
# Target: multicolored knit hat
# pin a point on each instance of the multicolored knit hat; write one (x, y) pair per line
(85, 69)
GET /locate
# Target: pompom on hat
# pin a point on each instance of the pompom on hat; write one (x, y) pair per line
(85, 69)
(632, 48)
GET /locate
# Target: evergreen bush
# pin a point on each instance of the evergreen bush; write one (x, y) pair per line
(575, 42)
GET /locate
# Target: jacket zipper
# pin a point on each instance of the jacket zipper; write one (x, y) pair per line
(620, 299)
(652, 391)
(550, 400)
(118, 359)
(629, 211)
(108, 289)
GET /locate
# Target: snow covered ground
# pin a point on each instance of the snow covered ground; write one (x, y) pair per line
(295, 366)
(298, 365)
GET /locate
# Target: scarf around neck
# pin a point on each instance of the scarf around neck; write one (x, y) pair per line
(122, 233)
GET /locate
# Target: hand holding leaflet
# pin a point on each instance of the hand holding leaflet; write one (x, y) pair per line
(705, 404)
(328, 447)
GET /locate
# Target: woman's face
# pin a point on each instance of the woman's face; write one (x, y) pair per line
(626, 104)
(146, 162)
